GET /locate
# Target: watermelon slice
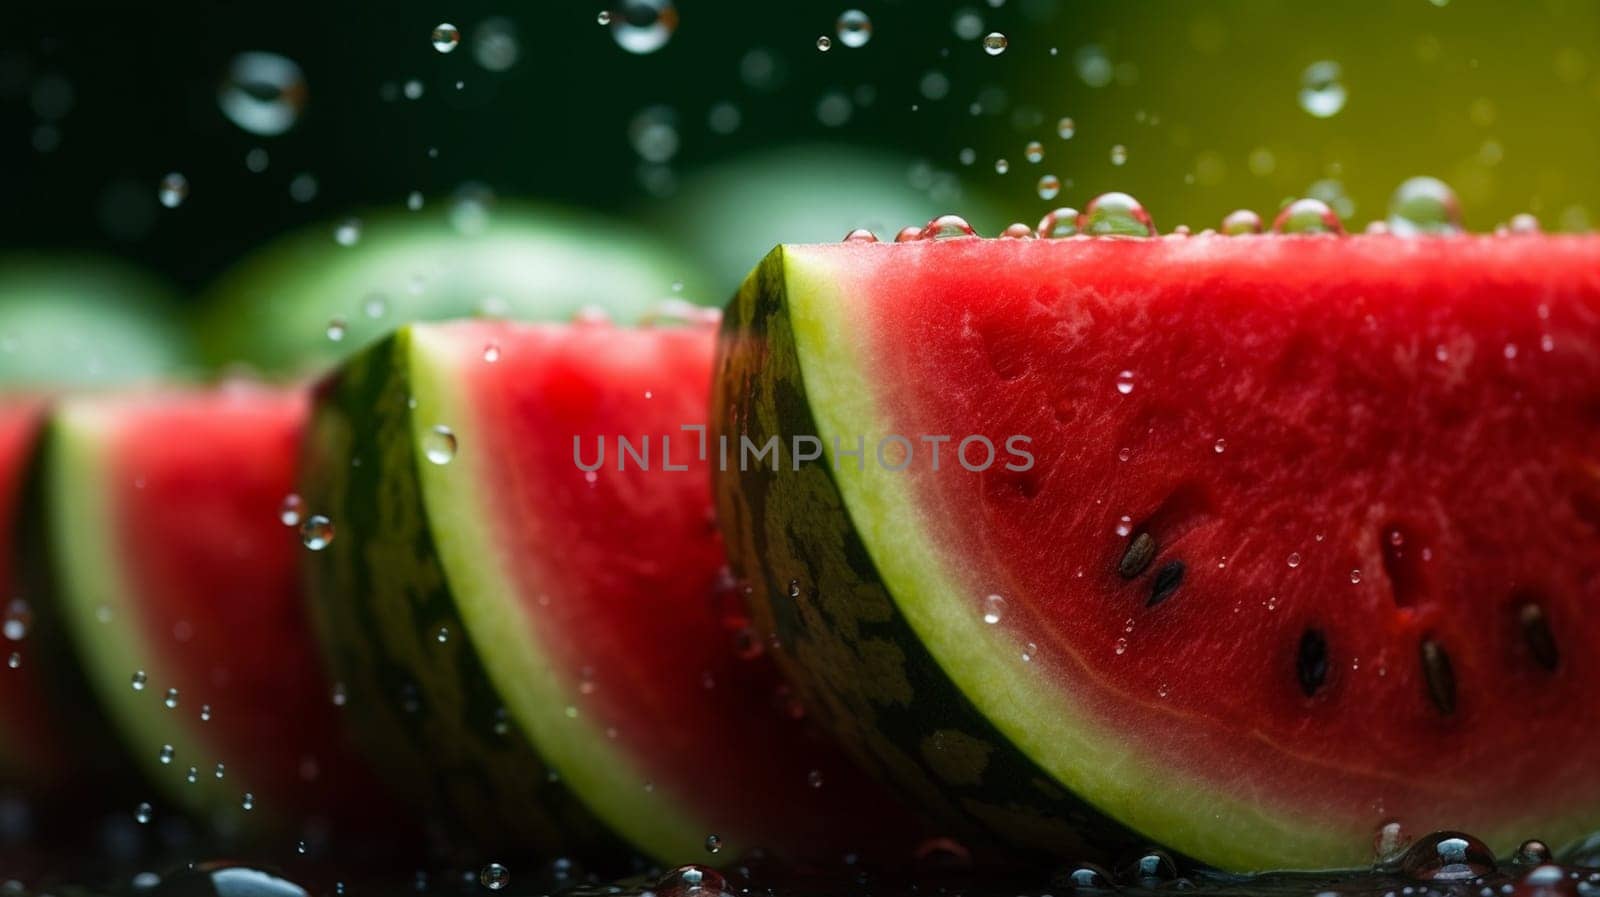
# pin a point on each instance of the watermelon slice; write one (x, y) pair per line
(1300, 553)
(177, 581)
(556, 653)
(318, 295)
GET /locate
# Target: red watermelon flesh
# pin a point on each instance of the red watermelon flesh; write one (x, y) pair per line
(194, 596)
(1370, 471)
(618, 625)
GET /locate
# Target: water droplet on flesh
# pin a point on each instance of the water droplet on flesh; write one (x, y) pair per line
(1424, 205)
(994, 607)
(1061, 222)
(1116, 214)
(1308, 216)
(439, 445)
(1447, 856)
(1241, 221)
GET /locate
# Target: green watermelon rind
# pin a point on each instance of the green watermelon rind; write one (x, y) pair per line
(272, 311)
(882, 640)
(89, 595)
(412, 554)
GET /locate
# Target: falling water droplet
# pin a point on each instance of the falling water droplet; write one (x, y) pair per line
(1049, 186)
(174, 190)
(18, 620)
(1033, 152)
(172, 699)
(824, 43)
(1322, 94)
(1119, 155)
(494, 876)
(143, 813)
(166, 755)
(1065, 128)
(139, 680)
(445, 37)
(336, 329)
(713, 843)
(289, 510)
(854, 28)
(642, 26)
(316, 532)
(348, 232)
(995, 43)
(248, 802)
(262, 93)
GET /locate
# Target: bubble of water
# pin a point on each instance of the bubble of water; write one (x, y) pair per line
(1322, 93)
(445, 37)
(854, 28)
(1447, 856)
(1061, 222)
(495, 45)
(948, 227)
(316, 532)
(1308, 216)
(1116, 214)
(263, 93)
(1065, 128)
(494, 876)
(1241, 221)
(439, 445)
(348, 232)
(174, 189)
(644, 26)
(995, 43)
(1424, 205)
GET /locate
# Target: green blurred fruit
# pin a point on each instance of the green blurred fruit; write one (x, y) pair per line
(79, 320)
(307, 300)
(730, 216)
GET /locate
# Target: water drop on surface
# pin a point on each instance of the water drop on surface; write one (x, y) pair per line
(1447, 856)
(220, 770)
(690, 879)
(1017, 231)
(445, 37)
(994, 607)
(248, 802)
(1424, 205)
(1533, 853)
(1220, 445)
(1061, 222)
(1241, 221)
(1116, 214)
(174, 190)
(1308, 216)
(139, 680)
(948, 227)
(494, 876)
(643, 26)
(443, 635)
(14, 661)
(854, 28)
(166, 755)
(908, 234)
(262, 93)
(1321, 92)
(205, 713)
(1355, 577)
(316, 533)
(1125, 382)
(439, 445)
(172, 699)
(995, 43)
(336, 329)
(1523, 223)
(1294, 559)
(192, 776)
(860, 235)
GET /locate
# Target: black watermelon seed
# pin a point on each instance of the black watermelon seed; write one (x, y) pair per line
(1140, 553)
(1441, 678)
(1536, 632)
(1311, 663)
(1167, 580)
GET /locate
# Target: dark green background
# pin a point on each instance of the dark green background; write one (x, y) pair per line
(1499, 98)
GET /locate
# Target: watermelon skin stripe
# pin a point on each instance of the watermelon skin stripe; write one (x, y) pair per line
(425, 712)
(862, 669)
